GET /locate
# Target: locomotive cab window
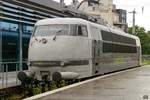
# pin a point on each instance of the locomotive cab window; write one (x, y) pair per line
(61, 29)
(49, 30)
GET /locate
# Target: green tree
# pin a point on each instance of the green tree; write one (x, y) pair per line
(144, 38)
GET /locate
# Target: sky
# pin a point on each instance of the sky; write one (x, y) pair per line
(142, 18)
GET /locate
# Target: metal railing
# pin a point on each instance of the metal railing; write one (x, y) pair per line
(146, 57)
(8, 78)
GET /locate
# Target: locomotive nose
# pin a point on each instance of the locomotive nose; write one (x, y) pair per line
(64, 48)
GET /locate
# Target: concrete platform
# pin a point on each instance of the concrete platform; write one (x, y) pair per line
(8, 80)
(133, 84)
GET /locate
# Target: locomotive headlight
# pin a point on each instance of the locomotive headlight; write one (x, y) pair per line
(62, 63)
(28, 63)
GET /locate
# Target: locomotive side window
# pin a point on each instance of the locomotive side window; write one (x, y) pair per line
(73, 30)
(117, 48)
(108, 36)
(82, 30)
(78, 30)
(111, 40)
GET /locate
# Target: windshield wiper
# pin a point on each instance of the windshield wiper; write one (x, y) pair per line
(56, 34)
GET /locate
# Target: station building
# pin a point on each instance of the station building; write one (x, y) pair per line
(17, 19)
(108, 11)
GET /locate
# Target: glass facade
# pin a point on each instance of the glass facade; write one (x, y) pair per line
(0, 43)
(10, 41)
(18, 17)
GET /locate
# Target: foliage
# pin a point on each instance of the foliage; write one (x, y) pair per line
(144, 38)
(145, 62)
(31, 90)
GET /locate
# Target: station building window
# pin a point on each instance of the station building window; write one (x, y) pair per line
(7, 26)
(10, 40)
(9, 47)
(27, 29)
(10, 33)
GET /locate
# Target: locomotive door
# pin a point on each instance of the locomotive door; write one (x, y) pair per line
(95, 50)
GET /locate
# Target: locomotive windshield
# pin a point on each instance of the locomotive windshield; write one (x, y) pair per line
(65, 29)
(47, 30)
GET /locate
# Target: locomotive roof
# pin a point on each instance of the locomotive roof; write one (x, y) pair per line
(85, 22)
(61, 21)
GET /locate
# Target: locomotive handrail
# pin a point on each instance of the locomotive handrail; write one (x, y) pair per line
(8, 62)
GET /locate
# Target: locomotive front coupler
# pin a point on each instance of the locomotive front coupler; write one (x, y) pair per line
(45, 81)
(28, 80)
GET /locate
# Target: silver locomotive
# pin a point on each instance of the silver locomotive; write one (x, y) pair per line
(73, 48)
